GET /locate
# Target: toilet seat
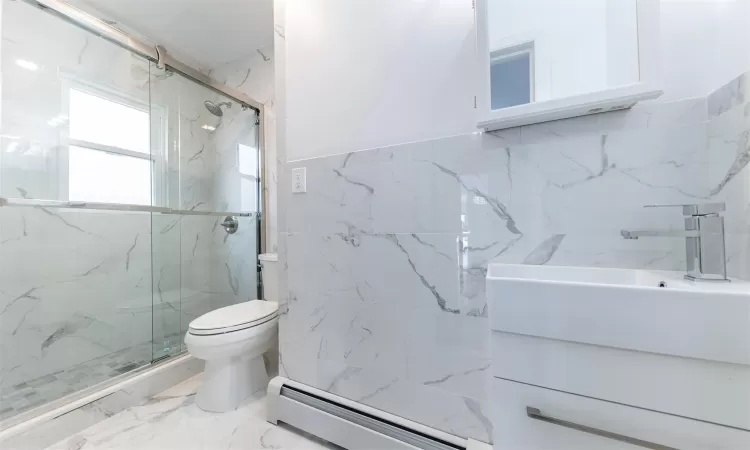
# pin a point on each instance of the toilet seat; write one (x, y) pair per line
(234, 318)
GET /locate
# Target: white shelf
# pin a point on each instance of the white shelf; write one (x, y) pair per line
(579, 105)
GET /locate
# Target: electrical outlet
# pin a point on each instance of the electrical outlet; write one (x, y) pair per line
(299, 180)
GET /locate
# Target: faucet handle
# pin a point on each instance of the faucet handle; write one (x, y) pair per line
(696, 209)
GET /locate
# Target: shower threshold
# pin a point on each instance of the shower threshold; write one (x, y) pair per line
(138, 382)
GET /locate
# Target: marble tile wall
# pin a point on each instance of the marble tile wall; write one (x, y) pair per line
(74, 286)
(253, 75)
(386, 254)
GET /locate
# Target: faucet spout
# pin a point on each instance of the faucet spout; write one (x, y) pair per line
(705, 246)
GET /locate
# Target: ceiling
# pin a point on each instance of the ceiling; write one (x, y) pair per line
(208, 32)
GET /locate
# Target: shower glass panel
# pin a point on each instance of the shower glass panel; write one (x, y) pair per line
(211, 173)
(198, 267)
(115, 179)
(75, 284)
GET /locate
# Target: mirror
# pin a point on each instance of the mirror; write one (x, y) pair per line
(542, 50)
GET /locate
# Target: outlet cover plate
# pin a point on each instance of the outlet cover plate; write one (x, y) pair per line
(299, 180)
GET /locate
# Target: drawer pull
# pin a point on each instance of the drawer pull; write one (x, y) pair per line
(535, 413)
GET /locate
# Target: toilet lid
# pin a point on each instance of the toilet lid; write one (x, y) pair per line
(236, 317)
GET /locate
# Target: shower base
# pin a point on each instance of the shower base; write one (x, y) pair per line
(22, 397)
(30, 394)
(41, 427)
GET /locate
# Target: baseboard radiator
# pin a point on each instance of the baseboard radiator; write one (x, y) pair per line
(352, 425)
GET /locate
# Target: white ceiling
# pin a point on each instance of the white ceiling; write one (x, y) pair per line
(209, 32)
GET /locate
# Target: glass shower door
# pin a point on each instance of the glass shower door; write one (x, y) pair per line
(75, 277)
(116, 179)
(210, 177)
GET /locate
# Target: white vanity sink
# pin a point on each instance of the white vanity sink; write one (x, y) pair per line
(624, 309)
(644, 354)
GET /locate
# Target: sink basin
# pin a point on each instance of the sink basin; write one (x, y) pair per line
(650, 311)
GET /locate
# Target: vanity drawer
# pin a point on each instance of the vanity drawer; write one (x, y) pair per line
(532, 418)
(703, 390)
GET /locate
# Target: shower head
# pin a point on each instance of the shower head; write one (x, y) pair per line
(215, 109)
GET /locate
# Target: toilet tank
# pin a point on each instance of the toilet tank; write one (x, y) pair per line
(269, 263)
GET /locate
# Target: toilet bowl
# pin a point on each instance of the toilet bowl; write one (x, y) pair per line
(232, 341)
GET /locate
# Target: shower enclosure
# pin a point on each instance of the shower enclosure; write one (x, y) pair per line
(129, 205)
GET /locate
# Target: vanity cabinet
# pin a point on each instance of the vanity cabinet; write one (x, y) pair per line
(594, 358)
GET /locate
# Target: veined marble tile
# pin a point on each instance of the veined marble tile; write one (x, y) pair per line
(457, 333)
(408, 232)
(729, 140)
(330, 199)
(647, 115)
(283, 268)
(601, 184)
(449, 352)
(254, 76)
(437, 408)
(171, 420)
(68, 278)
(440, 408)
(738, 255)
(732, 94)
(393, 270)
(451, 370)
(555, 188)
(730, 122)
(344, 331)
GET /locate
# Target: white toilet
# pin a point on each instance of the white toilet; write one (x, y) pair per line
(232, 341)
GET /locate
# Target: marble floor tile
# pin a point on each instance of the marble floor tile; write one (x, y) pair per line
(171, 420)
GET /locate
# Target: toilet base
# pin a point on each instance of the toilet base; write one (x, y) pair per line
(228, 382)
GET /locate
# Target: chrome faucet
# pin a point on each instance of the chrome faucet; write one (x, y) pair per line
(704, 240)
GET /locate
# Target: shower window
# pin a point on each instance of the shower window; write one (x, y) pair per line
(109, 157)
(248, 165)
(109, 124)
(102, 176)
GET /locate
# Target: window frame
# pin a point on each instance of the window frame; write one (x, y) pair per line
(512, 52)
(157, 136)
(254, 178)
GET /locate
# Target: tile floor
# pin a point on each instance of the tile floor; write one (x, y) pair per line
(171, 420)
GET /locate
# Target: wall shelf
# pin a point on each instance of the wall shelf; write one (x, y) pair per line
(579, 105)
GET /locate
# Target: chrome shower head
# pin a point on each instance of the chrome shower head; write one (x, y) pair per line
(215, 109)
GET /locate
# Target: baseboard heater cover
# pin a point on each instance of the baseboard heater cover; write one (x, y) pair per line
(353, 425)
